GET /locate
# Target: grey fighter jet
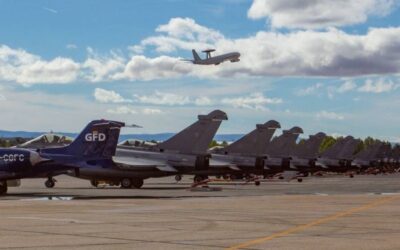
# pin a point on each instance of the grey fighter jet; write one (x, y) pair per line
(280, 149)
(213, 60)
(184, 153)
(305, 155)
(338, 158)
(369, 157)
(247, 153)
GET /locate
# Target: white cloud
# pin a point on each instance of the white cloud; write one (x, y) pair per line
(254, 101)
(180, 33)
(329, 115)
(380, 86)
(108, 96)
(346, 87)
(71, 46)
(126, 110)
(2, 97)
(203, 101)
(312, 90)
(101, 68)
(331, 52)
(150, 111)
(146, 69)
(160, 98)
(122, 110)
(50, 10)
(17, 65)
(267, 53)
(317, 13)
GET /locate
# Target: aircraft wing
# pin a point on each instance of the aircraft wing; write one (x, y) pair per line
(222, 164)
(320, 164)
(135, 163)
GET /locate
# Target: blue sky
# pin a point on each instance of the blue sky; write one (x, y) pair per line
(322, 66)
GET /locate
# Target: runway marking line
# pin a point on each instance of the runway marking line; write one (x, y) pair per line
(317, 222)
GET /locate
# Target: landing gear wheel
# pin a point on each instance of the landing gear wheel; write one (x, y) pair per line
(257, 183)
(126, 183)
(3, 187)
(299, 180)
(178, 178)
(94, 183)
(351, 176)
(137, 183)
(281, 177)
(50, 183)
(198, 178)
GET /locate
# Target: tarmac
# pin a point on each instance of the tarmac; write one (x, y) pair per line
(334, 212)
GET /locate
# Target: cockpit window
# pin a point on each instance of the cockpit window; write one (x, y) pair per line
(137, 143)
(47, 140)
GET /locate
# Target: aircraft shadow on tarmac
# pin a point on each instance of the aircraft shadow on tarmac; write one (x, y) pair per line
(67, 197)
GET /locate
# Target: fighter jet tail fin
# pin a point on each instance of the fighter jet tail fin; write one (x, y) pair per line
(196, 138)
(285, 144)
(98, 139)
(310, 148)
(255, 142)
(196, 56)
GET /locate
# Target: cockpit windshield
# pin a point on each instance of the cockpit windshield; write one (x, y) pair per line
(137, 143)
(46, 140)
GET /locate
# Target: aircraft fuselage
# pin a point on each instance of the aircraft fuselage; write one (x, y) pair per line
(233, 57)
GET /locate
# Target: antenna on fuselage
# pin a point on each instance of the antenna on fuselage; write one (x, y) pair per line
(208, 52)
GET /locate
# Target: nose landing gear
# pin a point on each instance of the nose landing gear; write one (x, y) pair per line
(3, 187)
(50, 183)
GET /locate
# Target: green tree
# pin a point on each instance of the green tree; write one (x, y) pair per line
(213, 144)
(327, 143)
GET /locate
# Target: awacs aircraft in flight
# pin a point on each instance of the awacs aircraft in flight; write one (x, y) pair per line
(214, 60)
(94, 147)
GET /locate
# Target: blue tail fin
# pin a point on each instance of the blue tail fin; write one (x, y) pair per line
(196, 56)
(98, 139)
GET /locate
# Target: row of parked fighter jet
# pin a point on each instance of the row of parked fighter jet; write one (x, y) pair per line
(96, 155)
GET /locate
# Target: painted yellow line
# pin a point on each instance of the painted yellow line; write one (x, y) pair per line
(320, 221)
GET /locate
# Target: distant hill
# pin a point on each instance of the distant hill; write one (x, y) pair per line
(146, 137)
